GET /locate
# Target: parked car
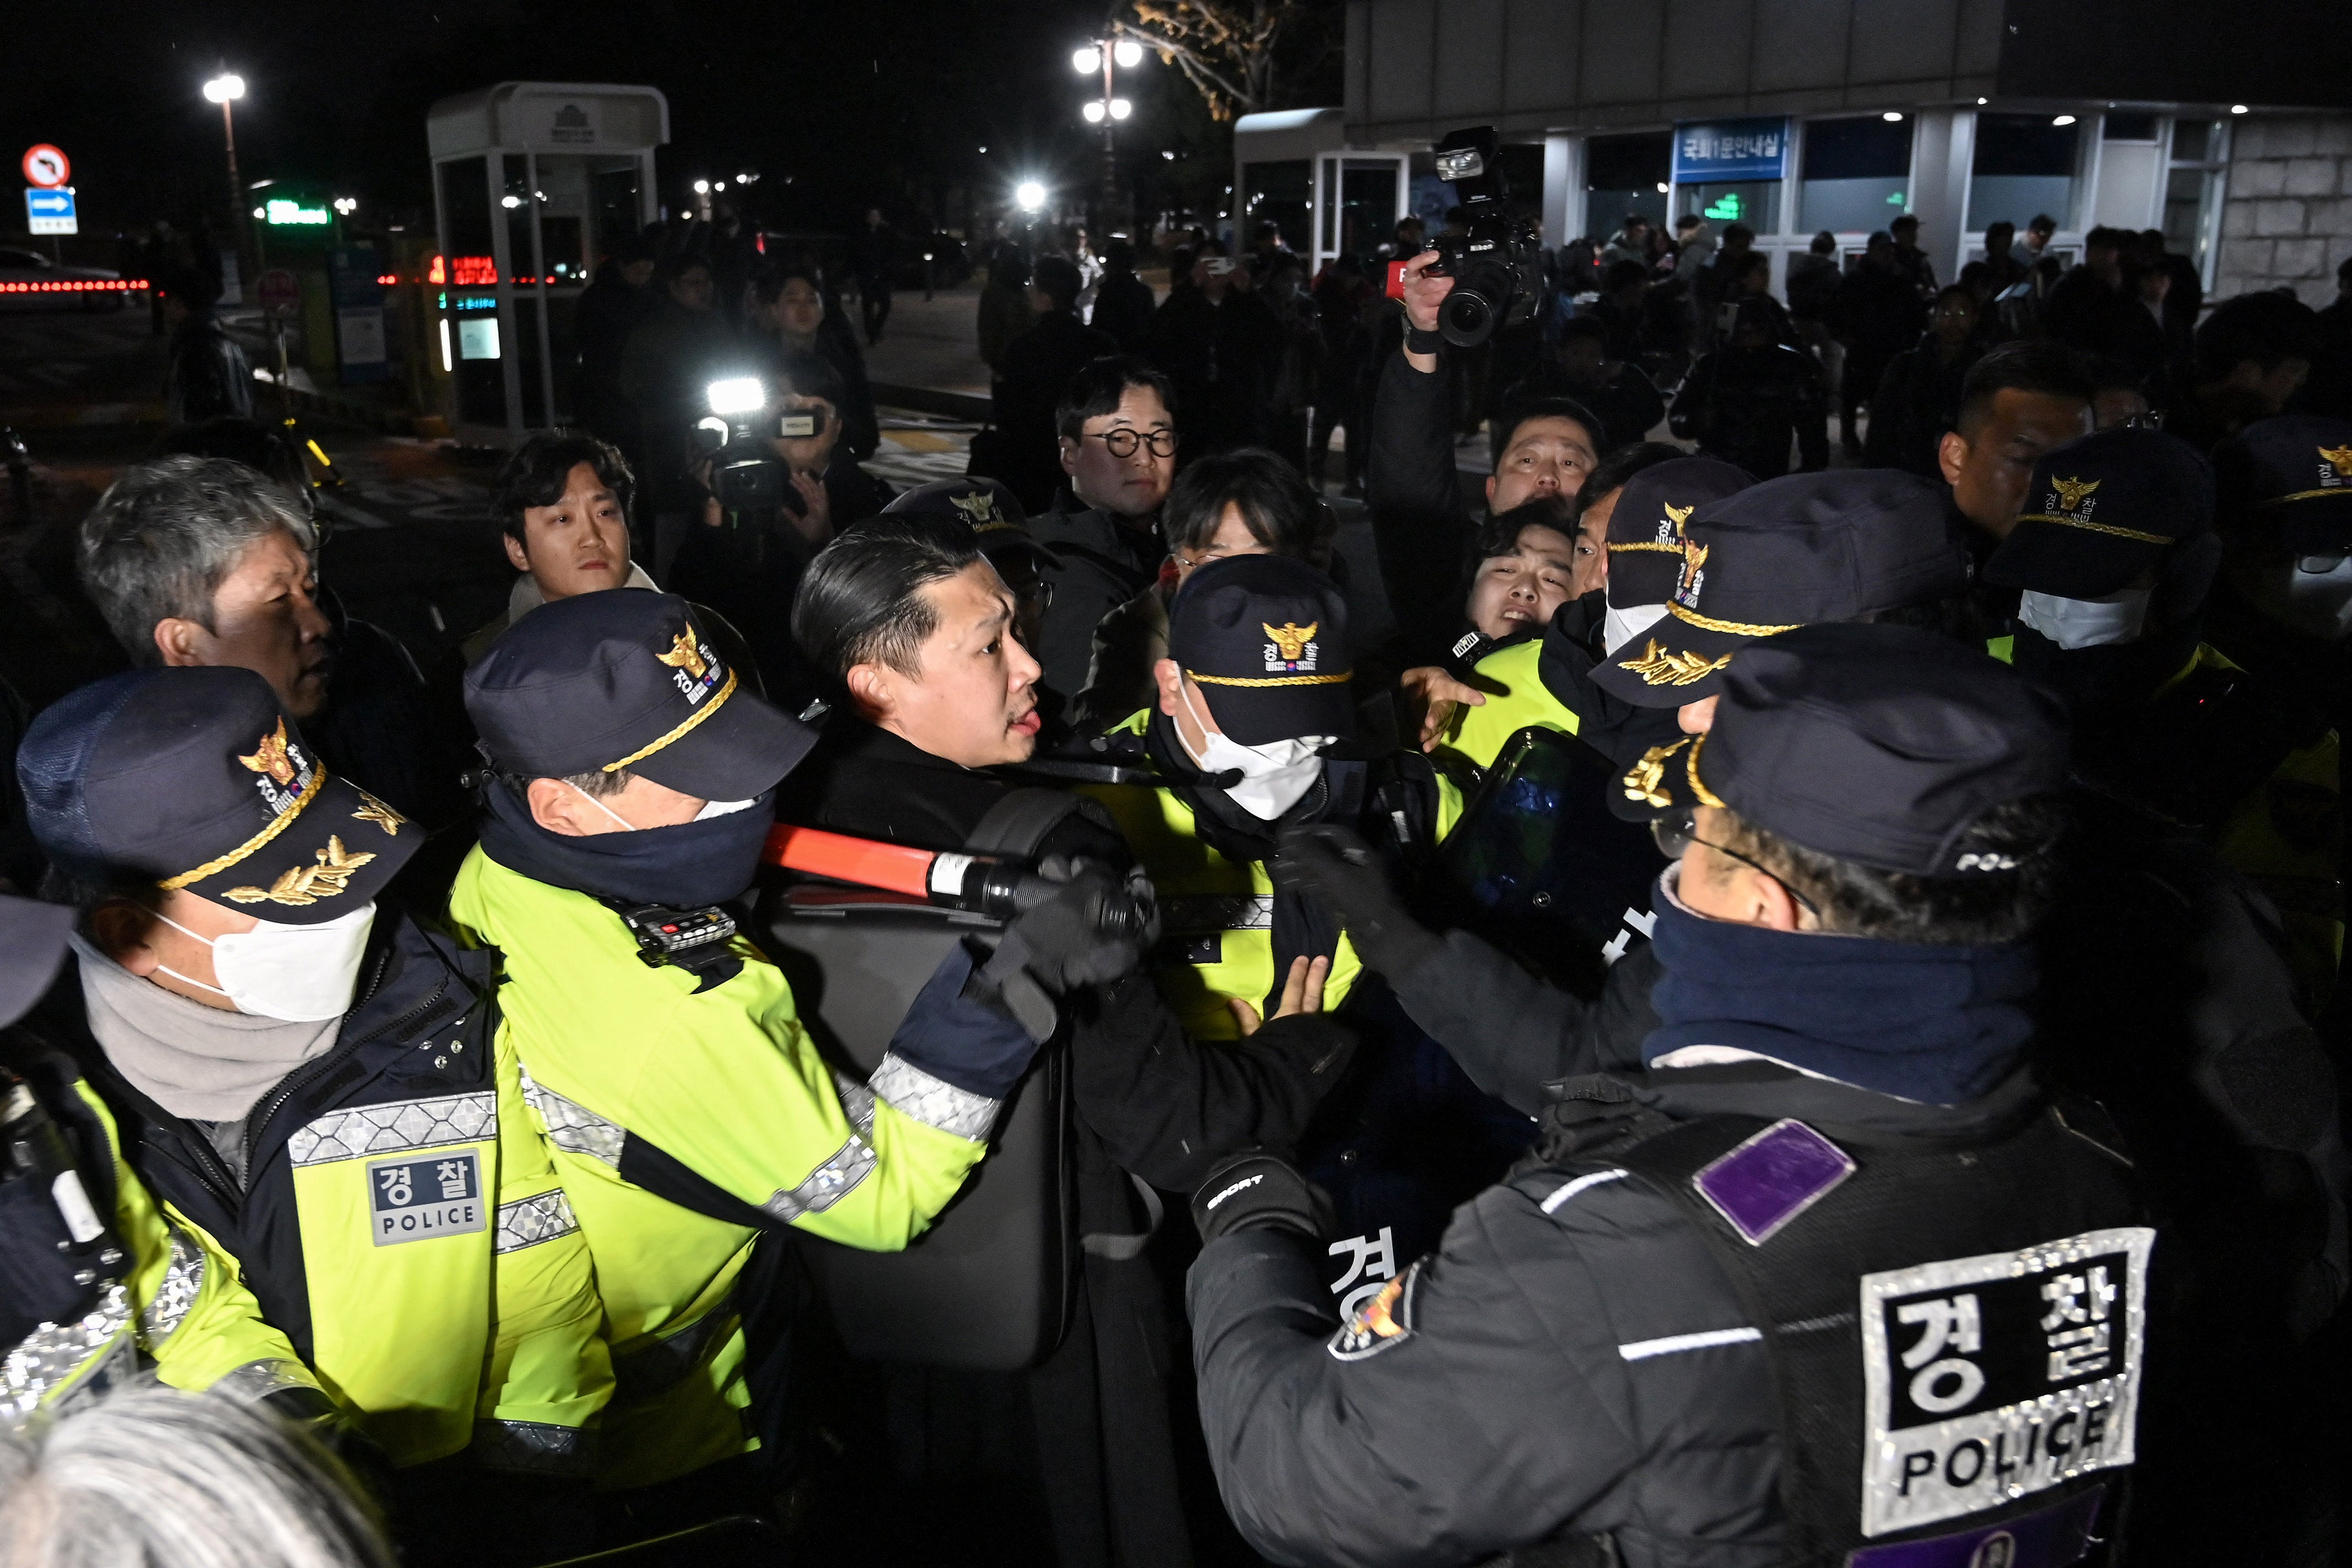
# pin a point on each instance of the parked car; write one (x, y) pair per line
(31, 281)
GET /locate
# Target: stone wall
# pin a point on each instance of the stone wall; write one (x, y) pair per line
(2287, 216)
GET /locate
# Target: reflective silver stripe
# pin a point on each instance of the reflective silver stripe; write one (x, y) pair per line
(397, 1125)
(183, 1277)
(1643, 1350)
(856, 1099)
(533, 1447)
(1197, 914)
(644, 1371)
(55, 1353)
(827, 1184)
(526, 1222)
(257, 1380)
(1569, 1189)
(910, 1091)
(573, 1128)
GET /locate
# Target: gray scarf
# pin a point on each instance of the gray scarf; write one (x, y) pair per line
(203, 1063)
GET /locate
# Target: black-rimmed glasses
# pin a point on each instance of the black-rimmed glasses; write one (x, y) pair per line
(1123, 442)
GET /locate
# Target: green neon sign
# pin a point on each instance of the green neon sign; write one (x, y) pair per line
(281, 214)
(1726, 205)
(1895, 200)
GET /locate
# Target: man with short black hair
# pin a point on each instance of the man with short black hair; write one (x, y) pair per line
(1619, 309)
(1910, 258)
(562, 504)
(1037, 366)
(2254, 353)
(1123, 302)
(1748, 400)
(1582, 368)
(1118, 439)
(1667, 1292)
(2086, 309)
(1876, 314)
(2016, 403)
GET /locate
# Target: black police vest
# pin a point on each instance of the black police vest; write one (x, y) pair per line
(1956, 1328)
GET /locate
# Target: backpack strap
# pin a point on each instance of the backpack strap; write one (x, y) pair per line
(1021, 821)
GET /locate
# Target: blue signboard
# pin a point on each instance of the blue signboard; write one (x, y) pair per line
(49, 212)
(1721, 152)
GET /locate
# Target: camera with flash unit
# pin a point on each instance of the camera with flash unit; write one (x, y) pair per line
(745, 472)
(1496, 264)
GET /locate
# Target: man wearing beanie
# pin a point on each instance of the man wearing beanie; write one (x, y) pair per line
(1833, 1280)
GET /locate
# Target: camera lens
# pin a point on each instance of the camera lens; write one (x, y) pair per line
(1465, 319)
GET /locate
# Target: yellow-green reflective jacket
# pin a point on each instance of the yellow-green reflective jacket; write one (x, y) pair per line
(1517, 697)
(686, 1122)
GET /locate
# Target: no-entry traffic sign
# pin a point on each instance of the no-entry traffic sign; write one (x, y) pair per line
(279, 290)
(46, 166)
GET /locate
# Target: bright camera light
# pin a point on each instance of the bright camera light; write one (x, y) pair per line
(2237, 109)
(1892, 117)
(2062, 120)
(511, 203)
(739, 394)
(224, 89)
(1662, 187)
(1087, 61)
(1093, 109)
(1120, 109)
(261, 212)
(1030, 196)
(346, 205)
(1127, 53)
(702, 188)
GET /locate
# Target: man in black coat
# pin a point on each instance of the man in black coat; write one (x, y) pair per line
(1123, 302)
(1038, 365)
(1747, 401)
(1222, 346)
(1876, 315)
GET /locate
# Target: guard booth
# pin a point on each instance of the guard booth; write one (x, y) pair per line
(1294, 167)
(531, 182)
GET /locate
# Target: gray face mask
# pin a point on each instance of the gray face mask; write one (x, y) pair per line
(2311, 594)
(2086, 622)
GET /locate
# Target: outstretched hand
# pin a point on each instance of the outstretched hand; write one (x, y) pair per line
(1302, 992)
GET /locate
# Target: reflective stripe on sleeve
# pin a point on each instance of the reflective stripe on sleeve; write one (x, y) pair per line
(526, 1222)
(573, 1128)
(827, 1184)
(533, 1447)
(857, 1098)
(257, 1380)
(1673, 1344)
(183, 1279)
(1569, 1189)
(910, 1091)
(55, 1353)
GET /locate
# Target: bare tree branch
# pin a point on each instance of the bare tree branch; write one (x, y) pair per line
(1226, 48)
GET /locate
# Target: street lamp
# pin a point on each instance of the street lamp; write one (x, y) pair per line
(1029, 195)
(1104, 56)
(226, 90)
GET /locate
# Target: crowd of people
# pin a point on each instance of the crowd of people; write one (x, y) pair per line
(1705, 1008)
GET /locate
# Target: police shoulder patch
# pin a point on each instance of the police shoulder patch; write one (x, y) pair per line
(1381, 1323)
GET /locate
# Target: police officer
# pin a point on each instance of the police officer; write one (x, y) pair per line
(691, 1112)
(1548, 682)
(104, 1281)
(1646, 1347)
(315, 1082)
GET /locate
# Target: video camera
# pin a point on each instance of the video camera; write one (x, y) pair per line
(742, 421)
(1498, 265)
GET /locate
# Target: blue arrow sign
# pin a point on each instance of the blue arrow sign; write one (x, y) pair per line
(50, 212)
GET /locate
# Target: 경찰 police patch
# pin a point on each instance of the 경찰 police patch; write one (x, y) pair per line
(416, 1199)
(1382, 1322)
(1989, 1378)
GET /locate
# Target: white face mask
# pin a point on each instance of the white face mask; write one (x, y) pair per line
(710, 808)
(1275, 776)
(2086, 622)
(1619, 628)
(2312, 595)
(303, 974)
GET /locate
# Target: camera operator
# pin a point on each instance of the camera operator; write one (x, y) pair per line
(1222, 346)
(776, 488)
(786, 314)
(1030, 378)
(911, 622)
(666, 366)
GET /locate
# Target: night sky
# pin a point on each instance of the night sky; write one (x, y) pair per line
(870, 100)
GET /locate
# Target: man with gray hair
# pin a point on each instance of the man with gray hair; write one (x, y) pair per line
(201, 561)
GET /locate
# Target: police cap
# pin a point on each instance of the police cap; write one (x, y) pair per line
(2101, 511)
(199, 779)
(1788, 552)
(1645, 529)
(600, 683)
(1266, 638)
(1877, 744)
(2296, 467)
(32, 943)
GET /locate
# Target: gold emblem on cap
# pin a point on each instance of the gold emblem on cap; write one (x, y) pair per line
(977, 509)
(1694, 561)
(1291, 638)
(2339, 458)
(1678, 515)
(2071, 493)
(684, 654)
(1661, 667)
(383, 816)
(270, 757)
(299, 885)
(1642, 779)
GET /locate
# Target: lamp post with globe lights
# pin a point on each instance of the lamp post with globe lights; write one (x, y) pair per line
(1104, 55)
(226, 90)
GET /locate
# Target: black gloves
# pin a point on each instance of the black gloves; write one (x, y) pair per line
(1256, 1191)
(1322, 860)
(1067, 942)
